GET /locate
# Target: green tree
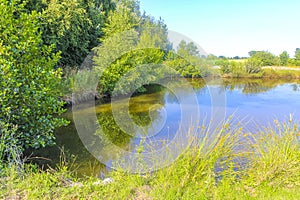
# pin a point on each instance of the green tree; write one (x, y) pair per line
(29, 98)
(130, 40)
(187, 49)
(120, 35)
(153, 34)
(126, 17)
(97, 12)
(297, 54)
(266, 58)
(73, 26)
(251, 53)
(284, 57)
(66, 25)
(212, 57)
(187, 62)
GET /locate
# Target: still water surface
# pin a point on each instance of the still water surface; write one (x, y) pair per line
(254, 103)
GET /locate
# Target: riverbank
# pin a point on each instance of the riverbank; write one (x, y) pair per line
(290, 73)
(224, 168)
(268, 72)
(86, 93)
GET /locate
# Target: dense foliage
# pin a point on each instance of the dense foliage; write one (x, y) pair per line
(29, 98)
(130, 40)
(284, 58)
(266, 58)
(269, 59)
(256, 65)
(187, 61)
(74, 27)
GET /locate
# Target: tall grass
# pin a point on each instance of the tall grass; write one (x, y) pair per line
(276, 161)
(278, 73)
(10, 151)
(211, 157)
(226, 163)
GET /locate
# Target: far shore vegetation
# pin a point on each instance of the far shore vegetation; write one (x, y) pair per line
(54, 53)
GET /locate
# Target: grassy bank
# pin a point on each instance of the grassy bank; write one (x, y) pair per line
(281, 73)
(233, 165)
(266, 73)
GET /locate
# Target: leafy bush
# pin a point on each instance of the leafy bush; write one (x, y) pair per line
(130, 40)
(253, 65)
(225, 66)
(266, 58)
(28, 82)
(230, 67)
(73, 26)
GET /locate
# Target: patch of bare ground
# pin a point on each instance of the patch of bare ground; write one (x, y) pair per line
(142, 193)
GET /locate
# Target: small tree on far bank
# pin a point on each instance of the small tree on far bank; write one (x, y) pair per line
(253, 65)
(297, 57)
(284, 57)
(266, 58)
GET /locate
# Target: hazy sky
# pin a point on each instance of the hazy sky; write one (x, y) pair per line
(232, 27)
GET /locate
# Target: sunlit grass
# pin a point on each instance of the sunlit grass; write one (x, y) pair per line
(271, 73)
(226, 163)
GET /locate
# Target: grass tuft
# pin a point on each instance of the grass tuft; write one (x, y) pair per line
(226, 163)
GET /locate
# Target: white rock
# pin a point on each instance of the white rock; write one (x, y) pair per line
(107, 181)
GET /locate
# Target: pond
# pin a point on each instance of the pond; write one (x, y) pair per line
(156, 116)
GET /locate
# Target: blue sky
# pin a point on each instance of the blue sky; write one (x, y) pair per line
(232, 27)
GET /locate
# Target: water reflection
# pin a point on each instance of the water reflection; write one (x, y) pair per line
(258, 99)
(255, 86)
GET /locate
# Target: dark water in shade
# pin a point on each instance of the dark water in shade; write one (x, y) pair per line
(254, 103)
